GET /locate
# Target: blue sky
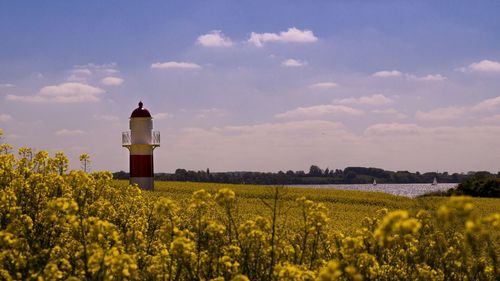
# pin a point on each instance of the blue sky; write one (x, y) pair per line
(257, 85)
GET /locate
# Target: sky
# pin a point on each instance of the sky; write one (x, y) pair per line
(257, 85)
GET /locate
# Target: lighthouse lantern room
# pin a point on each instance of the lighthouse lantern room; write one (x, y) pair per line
(141, 141)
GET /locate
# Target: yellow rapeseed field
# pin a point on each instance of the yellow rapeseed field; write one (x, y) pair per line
(346, 208)
(57, 224)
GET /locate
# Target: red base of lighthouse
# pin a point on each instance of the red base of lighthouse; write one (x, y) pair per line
(141, 166)
(141, 171)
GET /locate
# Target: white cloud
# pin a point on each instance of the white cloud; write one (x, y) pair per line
(456, 112)
(291, 35)
(463, 148)
(387, 73)
(7, 85)
(485, 66)
(293, 63)
(366, 100)
(110, 70)
(79, 74)
(390, 111)
(291, 126)
(70, 92)
(318, 111)
(112, 81)
(491, 119)
(94, 66)
(81, 71)
(91, 68)
(433, 77)
(392, 129)
(214, 39)
(5, 117)
(106, 117)
(161, 115)
(69, 133)
(175, 65)
(410, 77)
(487, 105)
(324, 85)
(429, 77)
(440, 114)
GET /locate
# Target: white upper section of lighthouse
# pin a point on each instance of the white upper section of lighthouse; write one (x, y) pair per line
(141, 129)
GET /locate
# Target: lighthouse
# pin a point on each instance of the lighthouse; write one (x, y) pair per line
(141, 141)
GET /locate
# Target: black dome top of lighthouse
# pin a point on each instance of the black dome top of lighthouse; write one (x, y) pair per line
(140, 112)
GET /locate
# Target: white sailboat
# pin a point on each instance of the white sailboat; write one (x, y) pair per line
(374, 182)
(434, 182)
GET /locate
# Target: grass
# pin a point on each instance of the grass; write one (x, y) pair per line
(346, 208)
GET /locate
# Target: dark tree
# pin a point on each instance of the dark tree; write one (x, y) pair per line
(315, 171)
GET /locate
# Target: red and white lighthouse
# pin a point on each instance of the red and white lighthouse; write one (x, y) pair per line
(141, 141)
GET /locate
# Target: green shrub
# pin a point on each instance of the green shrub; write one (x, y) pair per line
(479, 185)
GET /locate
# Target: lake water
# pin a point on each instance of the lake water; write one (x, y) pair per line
(406, 189)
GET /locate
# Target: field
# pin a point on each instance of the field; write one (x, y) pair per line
(57, 224)
(346, 208)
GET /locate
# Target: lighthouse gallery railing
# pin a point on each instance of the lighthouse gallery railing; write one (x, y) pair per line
(127, 139)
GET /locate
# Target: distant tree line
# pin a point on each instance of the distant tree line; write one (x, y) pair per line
(315, 175)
